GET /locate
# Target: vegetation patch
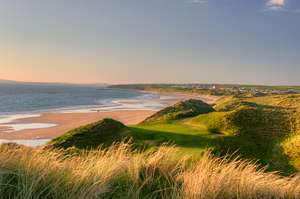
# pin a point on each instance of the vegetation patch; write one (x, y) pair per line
(181, 110)
(104, 132)
(251, 130)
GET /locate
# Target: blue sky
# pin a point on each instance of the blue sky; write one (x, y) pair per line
(146, 41)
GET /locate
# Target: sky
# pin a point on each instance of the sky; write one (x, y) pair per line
(151, 41)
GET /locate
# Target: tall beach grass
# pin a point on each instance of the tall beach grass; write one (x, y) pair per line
(118, 172)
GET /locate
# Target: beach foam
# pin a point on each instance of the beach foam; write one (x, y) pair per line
(11, 118)
(26, 126)
(120, 105)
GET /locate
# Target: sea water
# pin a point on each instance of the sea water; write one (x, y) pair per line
(33, 98)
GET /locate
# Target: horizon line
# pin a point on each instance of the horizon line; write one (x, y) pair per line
(153, 83)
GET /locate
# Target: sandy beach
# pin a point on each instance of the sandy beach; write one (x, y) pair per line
(68, 121)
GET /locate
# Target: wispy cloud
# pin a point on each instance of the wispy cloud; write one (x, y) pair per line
(200, 1)
(270, 5)
(275, 4)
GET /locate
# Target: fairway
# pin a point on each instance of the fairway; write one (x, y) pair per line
(188, 139)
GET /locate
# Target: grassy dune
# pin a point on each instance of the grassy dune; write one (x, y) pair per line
(104, 132)
(181, 110)
(118, 172)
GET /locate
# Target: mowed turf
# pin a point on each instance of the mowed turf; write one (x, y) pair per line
(189, 140)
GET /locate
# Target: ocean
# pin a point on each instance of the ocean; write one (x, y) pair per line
(35, 98)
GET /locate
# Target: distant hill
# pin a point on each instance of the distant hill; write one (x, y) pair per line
(4, 81)
(181, 110)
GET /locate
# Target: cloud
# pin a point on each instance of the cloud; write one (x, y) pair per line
(275, 4)
(200, 1)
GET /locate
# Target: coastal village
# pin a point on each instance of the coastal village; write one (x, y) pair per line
(222, 89)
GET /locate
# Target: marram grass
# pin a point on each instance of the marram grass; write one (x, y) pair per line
(118, 172)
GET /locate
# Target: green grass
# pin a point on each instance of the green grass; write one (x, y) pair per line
(287, 145)
(291, 146)
(104, 132)
(180, 110)
(189, 140)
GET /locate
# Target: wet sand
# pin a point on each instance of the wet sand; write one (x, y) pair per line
(69, 121)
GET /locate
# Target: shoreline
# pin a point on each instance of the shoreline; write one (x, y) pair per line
(58, 123)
